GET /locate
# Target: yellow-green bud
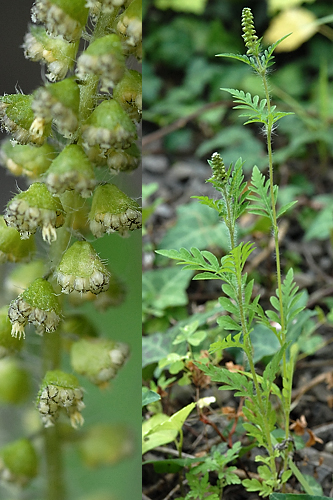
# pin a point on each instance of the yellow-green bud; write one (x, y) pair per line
(112, 210)
(26, 160)
(22, 276)
(98, 359)
(106, 444)
(39, 305)
(124, 161)
(18, 462)
(82, 270)
(12, 247)
(130, 23)
(34, 208)
(8, 344)
(60, 392)
(14, 382)
(128, 92)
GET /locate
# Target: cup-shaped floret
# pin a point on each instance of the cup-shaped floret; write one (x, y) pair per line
(18, 462)
(128, 92)
(82, 270)
(61, 17)
(113, 211)
(12, 247)
(104, 57)
(124, 161)
(71, 170)
(38, 305)
(26, 160)
(34, 208)
(60, 392)
(109, 127)
(58, 102)
(98, 359)
(16, 117)
(56, 53)
(130, 23)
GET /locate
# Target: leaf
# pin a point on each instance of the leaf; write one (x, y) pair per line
(149, 396)
(259, 193)
(197, 226)
(229, 341)
(164, 288)
(256, 110)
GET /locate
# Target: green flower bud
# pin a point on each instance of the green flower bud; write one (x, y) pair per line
(218, 167)
(22, 276)
(109, 127)
(14, 382)
(249, 33)
(98, 359)
(71, 170)
(18, 462)
(130, 23)
(106, 444)
(124, 161)
(26, 160)
(82, 270)
(56, 53)
(112, 210)
(128, 92)
(60, 392)
(34, 208)
(8, 344)
(61, 17)
(39, 305)
(104, 57)
(16, 117)
(113, 297)
(58, 102)
(105, 6)
(12, 247)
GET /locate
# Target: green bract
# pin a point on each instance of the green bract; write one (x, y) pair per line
(18, 462)
(109, 127)
(26, 160)
(112, 210)
(71, 170)
(60, 391)
(39, 305)
(32, 208)
(104, 57)
(82, 270)
(98, 359)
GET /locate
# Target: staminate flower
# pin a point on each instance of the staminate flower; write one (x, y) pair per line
(16, 117)
(56, 53)
(18, 462)
(39, 305)
(130, 23)
(12, 247)
(26, 160)
(105, 6)
(71, 170)
(60, 392)
(61, 17)
(104, 57)
(82, 270)
(128, 92)
(34, 208)
(112, 210)
(109, 127)
(124, 161)
(58, 102)
(98, 359)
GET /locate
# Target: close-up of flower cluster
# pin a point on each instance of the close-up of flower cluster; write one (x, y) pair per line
(75, 143)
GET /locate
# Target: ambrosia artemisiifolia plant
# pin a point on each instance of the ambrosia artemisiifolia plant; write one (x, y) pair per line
(242, 309)
(69, 139)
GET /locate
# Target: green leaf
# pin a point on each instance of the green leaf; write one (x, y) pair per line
(149, 396)
(260, 187)
(229, 341)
